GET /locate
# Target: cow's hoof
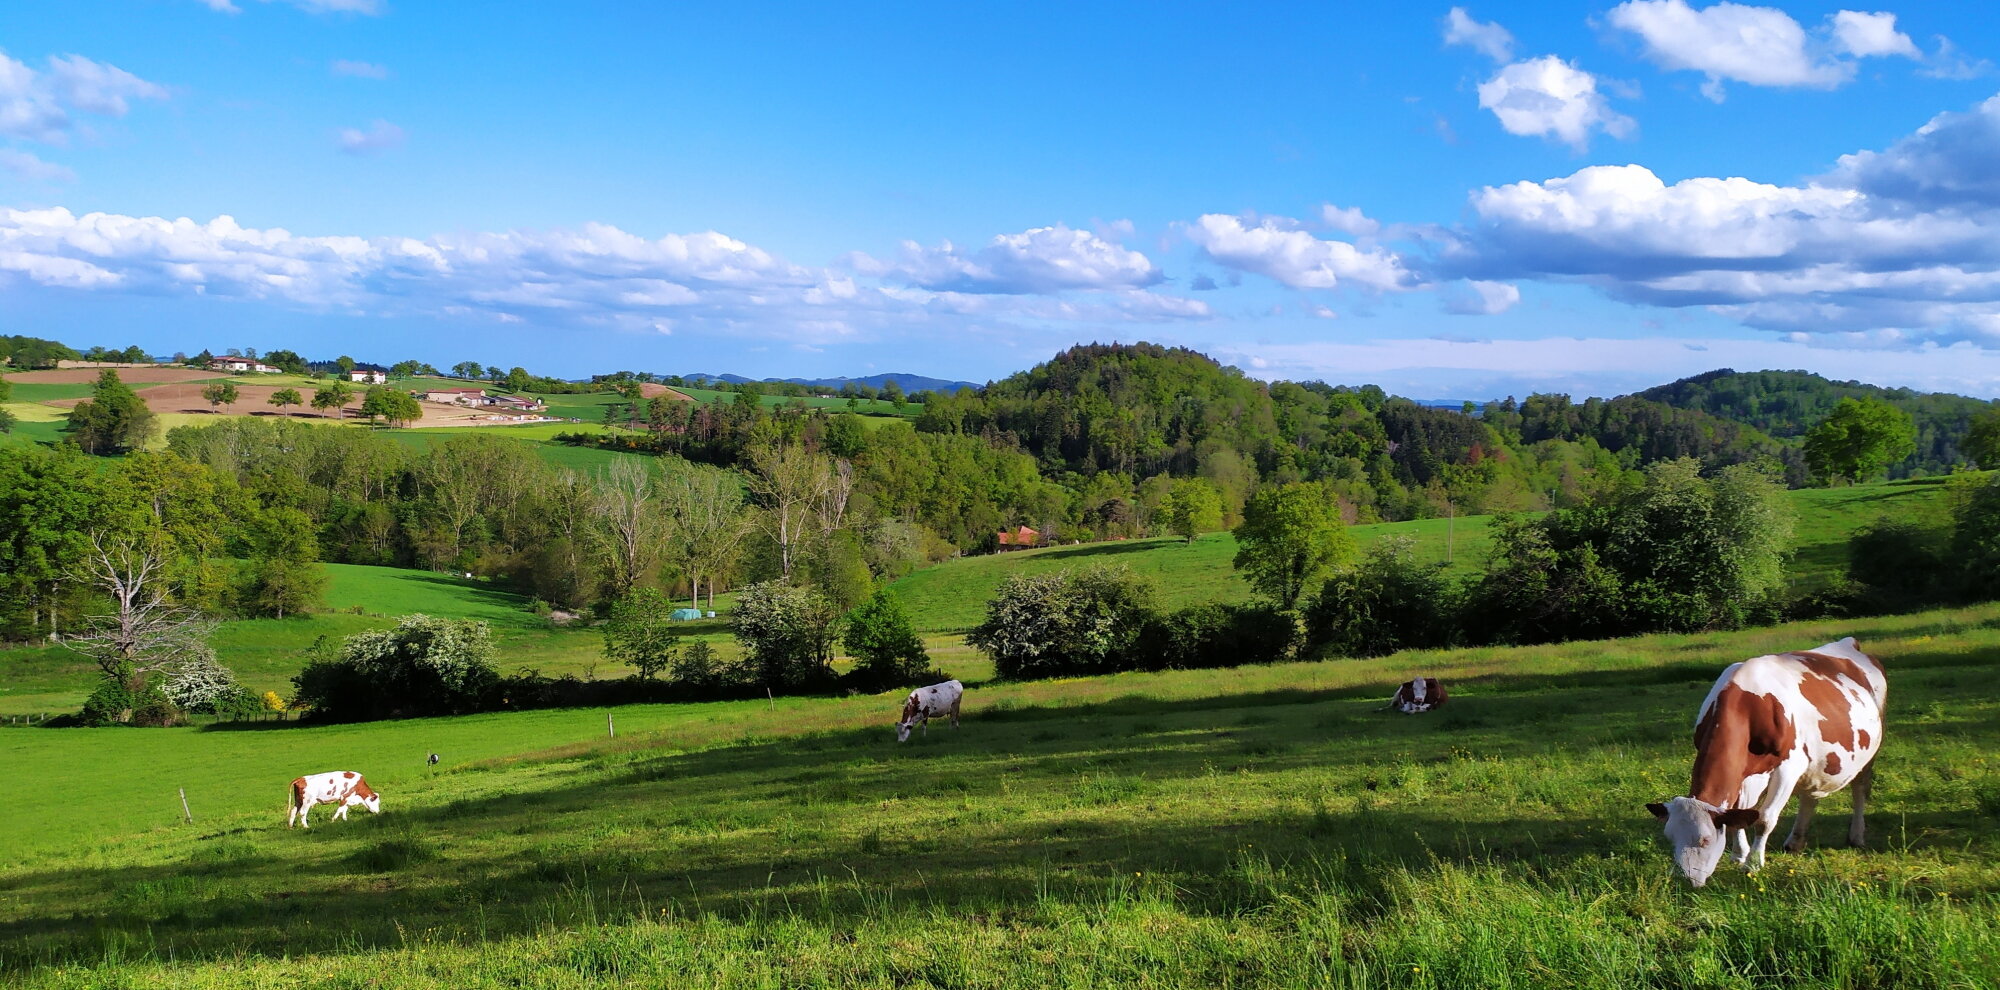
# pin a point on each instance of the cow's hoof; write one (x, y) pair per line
(1795, 846)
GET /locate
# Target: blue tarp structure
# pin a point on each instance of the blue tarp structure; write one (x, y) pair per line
(687, 613)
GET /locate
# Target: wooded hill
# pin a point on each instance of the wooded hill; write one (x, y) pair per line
(1785, 404)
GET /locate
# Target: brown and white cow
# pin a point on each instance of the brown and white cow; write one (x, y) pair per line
(1810, 721)
(344, 788)
(926, 703)
(1419, 694)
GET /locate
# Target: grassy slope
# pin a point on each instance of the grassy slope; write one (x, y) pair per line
(1258, 827)
(952, 596)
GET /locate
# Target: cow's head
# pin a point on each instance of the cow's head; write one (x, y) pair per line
(1699, 831)
(903, 730)
(373, 803)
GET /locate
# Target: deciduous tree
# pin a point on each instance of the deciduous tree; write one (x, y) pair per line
(1291, 535)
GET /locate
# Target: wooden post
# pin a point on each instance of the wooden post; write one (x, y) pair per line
(185, 813)
(610, 726)
(771, 697)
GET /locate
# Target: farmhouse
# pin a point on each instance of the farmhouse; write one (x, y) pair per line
(455, 396)
(1021, 538)
(240, 364)
(514, 403)
(369, 376)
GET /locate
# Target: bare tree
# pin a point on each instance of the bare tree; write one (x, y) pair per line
(707, 506)
(793, 483)
(628, 510)
(148, 634)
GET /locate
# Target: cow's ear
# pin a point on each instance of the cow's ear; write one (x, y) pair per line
(1659, 810)
(1739, 818)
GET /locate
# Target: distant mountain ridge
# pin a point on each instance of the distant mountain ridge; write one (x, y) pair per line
(908, 382)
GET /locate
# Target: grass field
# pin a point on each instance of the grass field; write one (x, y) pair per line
(952, 596)
(1261, 827)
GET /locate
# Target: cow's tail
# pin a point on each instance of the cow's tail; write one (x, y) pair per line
(297, 799)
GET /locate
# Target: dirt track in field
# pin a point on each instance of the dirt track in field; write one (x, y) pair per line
(255, 400)
(130, 376)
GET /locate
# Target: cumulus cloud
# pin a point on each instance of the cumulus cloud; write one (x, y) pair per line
(595, 274)
(1491, 40)
(1865, 35)
(1549, 97)
(1949, 162)
(1473, 297)
(1899, 247)
(1761, 46)
(1041, 260)
(1277, 249)
(379, 137)
(359, 70)
(23, 165)
(1349, 220)
(38, 106)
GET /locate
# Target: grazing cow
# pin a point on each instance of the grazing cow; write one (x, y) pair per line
(433, 761)
(340, 787)
(1421, 694)
(1772, 724)
(926, 703)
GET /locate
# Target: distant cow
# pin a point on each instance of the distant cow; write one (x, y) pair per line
(339, 787)
(1419, 694)
(1771, 725)
(926, 703)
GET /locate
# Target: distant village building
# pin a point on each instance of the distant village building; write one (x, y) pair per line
(369, 376)
(478, 399)
(240, 364)
(1020, 538)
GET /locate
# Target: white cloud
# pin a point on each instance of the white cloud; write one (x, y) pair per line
(1950, 63)
(1277, 249)
(1040, 260)
(37, 106)
(1762, 46)
(1900, 246)
(593, 275)
(380, 136)
(222, 6)
(23, 165)
(1547, 96)
(1488, 39)
(359, 70)
(1349, 220)
(1948, 162)
(1865, 35)
(1473, 297)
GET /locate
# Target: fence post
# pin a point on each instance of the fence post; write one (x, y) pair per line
(610, 726)
(185, 813)
(772, 698)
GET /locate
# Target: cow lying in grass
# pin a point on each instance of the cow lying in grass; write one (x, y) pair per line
(1773, 724)
(344, 788)
(926, 703)
(1420, 694)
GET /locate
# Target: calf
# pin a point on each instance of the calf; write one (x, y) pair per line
(926, 703)
(339, 787)
(1421, 694)
(1770, 725)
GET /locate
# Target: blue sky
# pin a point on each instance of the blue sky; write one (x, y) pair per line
(1449, 201)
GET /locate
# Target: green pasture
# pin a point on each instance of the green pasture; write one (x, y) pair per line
(838, 403)
(1259, 827)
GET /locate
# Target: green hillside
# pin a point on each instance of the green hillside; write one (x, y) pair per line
(1262, 827)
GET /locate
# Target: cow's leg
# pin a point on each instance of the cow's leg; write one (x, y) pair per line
(954, 714)
(1857, 835)
(304, 810)
(340, 812)
(1742, 846)
(1776, 796)
(291, 816)
(1796, 842)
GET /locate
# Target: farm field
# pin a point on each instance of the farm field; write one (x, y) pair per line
(1257, 827)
